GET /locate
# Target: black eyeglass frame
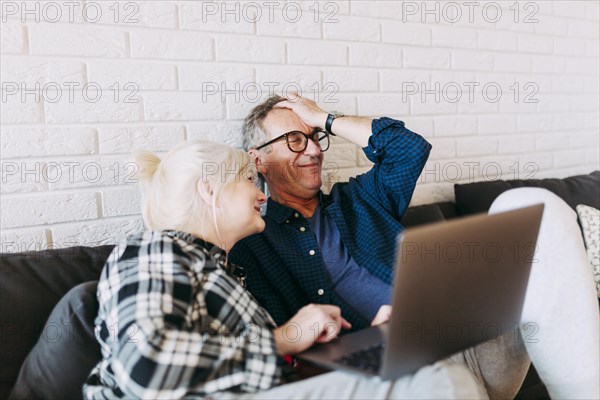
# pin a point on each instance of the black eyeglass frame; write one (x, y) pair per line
(308, 137)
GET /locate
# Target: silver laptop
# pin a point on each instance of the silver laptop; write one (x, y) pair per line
(457, 284)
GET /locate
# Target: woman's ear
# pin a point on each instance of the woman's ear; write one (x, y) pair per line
(205, 191)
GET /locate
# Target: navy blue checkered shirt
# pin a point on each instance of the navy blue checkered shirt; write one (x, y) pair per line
(284, 264)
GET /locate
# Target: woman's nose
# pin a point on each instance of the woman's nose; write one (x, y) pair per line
(261, 196)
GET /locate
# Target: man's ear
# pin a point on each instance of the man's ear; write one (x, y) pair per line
(257, 159)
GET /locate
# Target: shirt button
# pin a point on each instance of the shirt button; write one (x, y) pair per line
(302, 229)
(312, 252)
(287, 221)
(296, 215)
(320, 292)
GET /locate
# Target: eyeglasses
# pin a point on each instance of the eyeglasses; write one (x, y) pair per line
(297, 141)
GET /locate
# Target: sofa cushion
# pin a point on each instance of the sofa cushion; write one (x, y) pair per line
(30, 286)
(478, 197)
(422, 215)
(589, 219)
(448, 209)
(66, 352)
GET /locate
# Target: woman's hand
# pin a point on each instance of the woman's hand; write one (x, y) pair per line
(383, 315)
(314, 323)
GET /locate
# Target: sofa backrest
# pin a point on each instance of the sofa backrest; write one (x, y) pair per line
(31, 285)
(66, 352)
(477, 197)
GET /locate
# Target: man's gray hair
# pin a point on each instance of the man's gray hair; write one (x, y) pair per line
(253, 134)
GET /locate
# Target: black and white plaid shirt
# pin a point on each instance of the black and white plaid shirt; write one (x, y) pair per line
(173, 323)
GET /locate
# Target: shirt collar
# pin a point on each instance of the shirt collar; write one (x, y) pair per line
(280, 212)
(324, 200)
(277, 211)
(210, 249)
(215, 253)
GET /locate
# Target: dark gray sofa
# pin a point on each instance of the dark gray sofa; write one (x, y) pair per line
(48, 303)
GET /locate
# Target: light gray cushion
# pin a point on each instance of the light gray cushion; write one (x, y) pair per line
(589, 219)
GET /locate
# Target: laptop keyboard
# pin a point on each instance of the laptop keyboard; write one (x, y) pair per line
(368, 359)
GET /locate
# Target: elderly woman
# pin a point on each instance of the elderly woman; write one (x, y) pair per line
(174, 318)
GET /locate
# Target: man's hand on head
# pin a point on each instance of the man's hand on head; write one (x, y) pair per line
(306, 109)
(357, 130)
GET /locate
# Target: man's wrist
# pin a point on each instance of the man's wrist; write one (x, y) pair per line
(329, 122)
(324, 119)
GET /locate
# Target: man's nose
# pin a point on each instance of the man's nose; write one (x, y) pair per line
(313, 148)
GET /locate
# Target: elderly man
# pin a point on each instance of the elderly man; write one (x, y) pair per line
(339, 248)
(331, 246)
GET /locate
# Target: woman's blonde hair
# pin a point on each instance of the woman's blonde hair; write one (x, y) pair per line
(170, 196)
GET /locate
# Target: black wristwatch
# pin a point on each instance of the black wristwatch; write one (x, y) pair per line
(329, 122)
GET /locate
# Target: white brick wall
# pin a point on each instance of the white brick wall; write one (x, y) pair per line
(153, 73)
